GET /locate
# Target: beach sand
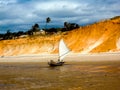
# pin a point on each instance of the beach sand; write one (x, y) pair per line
(70, 57)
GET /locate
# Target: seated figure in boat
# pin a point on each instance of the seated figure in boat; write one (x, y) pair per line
(58, 60)
(53, 62)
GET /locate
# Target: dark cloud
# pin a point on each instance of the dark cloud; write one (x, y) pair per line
(79, 11)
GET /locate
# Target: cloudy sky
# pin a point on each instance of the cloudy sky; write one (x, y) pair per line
(16, 12)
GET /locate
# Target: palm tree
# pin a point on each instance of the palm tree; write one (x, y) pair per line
(66, 25)
(48, 19)
(35, 27)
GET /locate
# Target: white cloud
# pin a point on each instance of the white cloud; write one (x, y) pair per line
(7, 2)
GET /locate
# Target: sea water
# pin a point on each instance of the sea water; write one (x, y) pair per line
(104, 75)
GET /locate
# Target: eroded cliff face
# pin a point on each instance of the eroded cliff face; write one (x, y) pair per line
(103, 36)
(99, 37)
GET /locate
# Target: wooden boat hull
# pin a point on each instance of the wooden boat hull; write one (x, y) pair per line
(56, 64)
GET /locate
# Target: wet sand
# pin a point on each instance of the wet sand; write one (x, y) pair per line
(70, 57)
(86, 74)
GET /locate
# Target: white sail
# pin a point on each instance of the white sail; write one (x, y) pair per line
(63, 50)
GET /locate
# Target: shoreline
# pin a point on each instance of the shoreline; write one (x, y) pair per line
(75, 57)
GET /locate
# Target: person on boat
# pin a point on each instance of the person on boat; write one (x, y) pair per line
(58, 60)
(51, 61)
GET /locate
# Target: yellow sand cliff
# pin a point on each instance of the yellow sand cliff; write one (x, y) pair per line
(103, 36)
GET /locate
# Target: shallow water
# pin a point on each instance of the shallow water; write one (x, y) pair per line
(71, 76)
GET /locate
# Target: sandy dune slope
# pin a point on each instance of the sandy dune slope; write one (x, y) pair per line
(103, 36)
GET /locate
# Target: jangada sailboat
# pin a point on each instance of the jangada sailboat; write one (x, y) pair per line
(63, 51)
